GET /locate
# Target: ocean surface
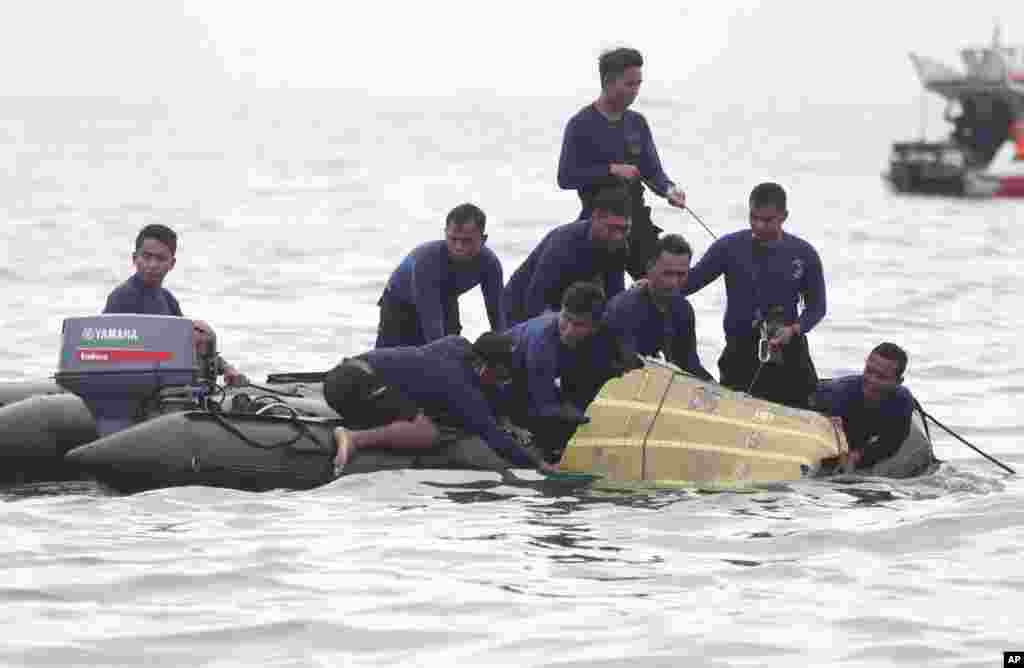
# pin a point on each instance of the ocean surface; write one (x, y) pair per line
(292, 209)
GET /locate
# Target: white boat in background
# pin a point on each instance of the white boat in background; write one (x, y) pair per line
(984, 154)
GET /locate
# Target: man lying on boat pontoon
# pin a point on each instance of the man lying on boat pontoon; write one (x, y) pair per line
(424, 398)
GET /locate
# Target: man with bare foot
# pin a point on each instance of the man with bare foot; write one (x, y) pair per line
(426, 398)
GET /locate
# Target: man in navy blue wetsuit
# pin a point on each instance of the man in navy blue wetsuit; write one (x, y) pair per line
(875, 407)
(154, 257)
(425, 398)
(654, 316)
(420, 303)
(591, 249)
(606, 142)
(561, 360)
(767, 272)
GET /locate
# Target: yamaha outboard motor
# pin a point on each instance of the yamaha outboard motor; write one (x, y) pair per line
(118, 363)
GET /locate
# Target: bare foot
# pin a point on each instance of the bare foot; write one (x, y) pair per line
(344, 442)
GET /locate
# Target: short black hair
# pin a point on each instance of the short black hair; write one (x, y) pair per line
(891, 351)
(584, 298)
(768, 194)
(612, 199)
(161, 233)
(612, 64)
(674, 244)
(495, 349)
(467, 214)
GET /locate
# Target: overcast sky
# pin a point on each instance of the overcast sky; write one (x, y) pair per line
(735, 49)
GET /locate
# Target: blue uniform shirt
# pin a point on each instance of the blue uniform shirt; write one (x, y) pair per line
(427, 279)
(644, 329)
(541, 358)
(778, 276)
(564, 256)
(133, 296)
(591, 143)
(439, 381)
(878, 430)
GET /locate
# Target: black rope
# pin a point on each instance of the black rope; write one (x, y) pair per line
(697, 218)
(278, 393)
(301, 431)
(965, 442)
(650, 427)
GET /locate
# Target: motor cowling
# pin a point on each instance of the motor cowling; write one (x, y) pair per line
(117, 363)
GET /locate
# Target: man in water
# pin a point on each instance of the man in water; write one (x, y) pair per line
(766, 273)
(874, 406)
(154, 257)
(561, 360)
(591, 249)
(421, 301)
(425, 398)
(606, 142)
(654, 316)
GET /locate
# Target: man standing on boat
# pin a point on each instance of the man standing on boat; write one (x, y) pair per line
(655, 316)
(427, 398)
(874, 406)
(606, 142)
(421, 301)
(591, 249)
(767, 272)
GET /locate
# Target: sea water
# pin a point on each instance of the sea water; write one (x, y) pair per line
(292, 209)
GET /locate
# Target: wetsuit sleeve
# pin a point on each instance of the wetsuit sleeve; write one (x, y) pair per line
(547, 278)
(172, 301)
(541, 368)
(491, 286)
(814, 294)
(426, 294)
(686, 346)
(617, 318)
(616, 282)
(577, 169)
(651, 168)
(710, 267)
(893, 429)
(475, 412)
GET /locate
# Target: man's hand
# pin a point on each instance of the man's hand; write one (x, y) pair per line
(784, 336)
(676, 197)
(234, 377)
(628, 172)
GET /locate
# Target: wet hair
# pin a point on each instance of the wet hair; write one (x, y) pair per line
(613, 64)
(612, 199)
(584, 298)
(467, 214)
(674, 244)
(161, 233)
(891, 351)
(768, 194)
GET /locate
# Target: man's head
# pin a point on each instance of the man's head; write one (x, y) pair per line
(883, 371)
(609, 220)
(582, 310)
(496, 356)
(155, 246)
(668, 271)
(767, 211)
(464, 232)
(621, 73)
